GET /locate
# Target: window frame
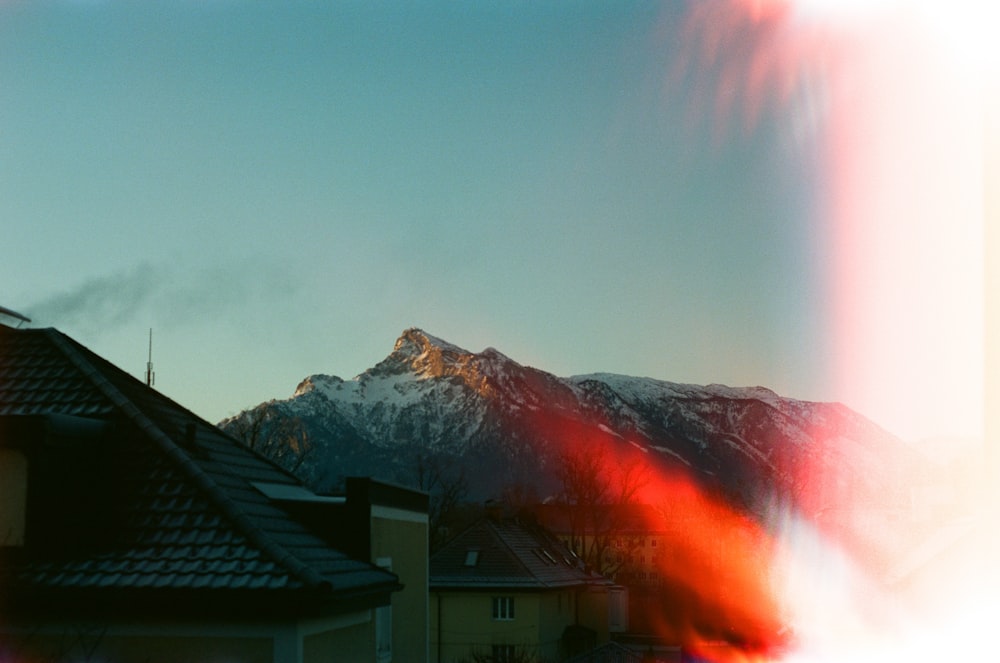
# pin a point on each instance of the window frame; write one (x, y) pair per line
(503, 608)
(383, 622)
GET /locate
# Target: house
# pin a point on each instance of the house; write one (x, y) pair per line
(627, 542)
(695, 576)
(133, 530)
(507, 590)
(642, 545)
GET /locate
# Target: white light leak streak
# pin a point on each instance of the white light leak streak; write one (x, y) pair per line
(965, 29)
(899, 176)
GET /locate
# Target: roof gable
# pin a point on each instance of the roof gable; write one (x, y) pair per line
(185, 512)
(507, 553)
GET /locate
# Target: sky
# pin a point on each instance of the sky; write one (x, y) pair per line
(745, 192)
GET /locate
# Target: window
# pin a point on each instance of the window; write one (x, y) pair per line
(503, 608)
(383, 622)
(617, 610)
(383, 634)
(471, 557)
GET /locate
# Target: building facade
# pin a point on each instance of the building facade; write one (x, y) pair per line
(506, 590)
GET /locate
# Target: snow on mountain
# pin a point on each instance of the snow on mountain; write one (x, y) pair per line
(503, 423)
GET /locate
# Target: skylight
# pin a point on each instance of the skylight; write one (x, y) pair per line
(471, 557)
(544, 555)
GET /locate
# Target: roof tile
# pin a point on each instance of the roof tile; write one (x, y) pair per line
(184, 517)
(509, 554)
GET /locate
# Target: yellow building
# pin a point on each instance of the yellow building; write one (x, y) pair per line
(385, 524)
(630, 543)
(507, 590)
(132, 530)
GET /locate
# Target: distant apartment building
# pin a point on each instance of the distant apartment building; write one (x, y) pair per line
(642, 545)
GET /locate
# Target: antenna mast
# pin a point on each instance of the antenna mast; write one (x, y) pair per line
(150, 375)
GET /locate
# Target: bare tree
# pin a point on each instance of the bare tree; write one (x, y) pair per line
(448, 492)
(267, 431)
(519, 495)
(503, 654)
(596, 494)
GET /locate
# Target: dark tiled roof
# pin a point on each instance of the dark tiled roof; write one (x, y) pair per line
(506, 553)
(36, 378)
(180, 511)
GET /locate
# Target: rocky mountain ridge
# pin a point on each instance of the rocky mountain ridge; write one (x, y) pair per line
(432, 403)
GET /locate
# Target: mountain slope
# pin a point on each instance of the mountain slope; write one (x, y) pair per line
(431, 403)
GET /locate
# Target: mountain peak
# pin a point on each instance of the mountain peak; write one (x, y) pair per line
(419, 352)
(414, 342)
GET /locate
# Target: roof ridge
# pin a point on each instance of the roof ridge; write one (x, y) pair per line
(494, 526)
(308, 575)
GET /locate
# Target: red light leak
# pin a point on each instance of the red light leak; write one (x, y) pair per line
(715, 597)
(721, 590)
(717, 600)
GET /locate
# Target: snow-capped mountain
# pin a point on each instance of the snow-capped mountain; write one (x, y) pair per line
(431, 403)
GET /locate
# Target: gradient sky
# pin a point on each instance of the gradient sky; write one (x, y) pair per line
(279, 189)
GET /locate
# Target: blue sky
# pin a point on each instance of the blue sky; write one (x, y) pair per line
(280, 188)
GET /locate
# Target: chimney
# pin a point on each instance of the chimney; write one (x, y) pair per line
(494, 510)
